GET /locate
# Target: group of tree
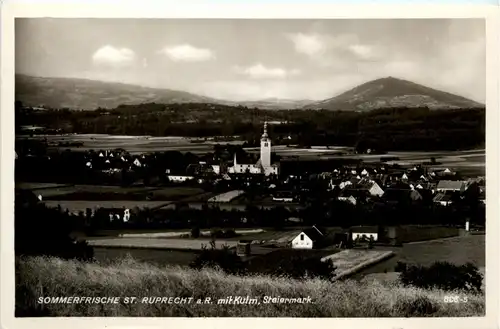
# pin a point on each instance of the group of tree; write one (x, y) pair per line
(43, 231)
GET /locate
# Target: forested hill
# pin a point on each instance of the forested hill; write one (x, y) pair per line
(393, 92)
(384, 129)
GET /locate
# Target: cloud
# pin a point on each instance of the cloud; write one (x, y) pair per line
(331, 50)
(109, 55)
(259, 71)
(188, 53)
(363, 51)
(308, 44)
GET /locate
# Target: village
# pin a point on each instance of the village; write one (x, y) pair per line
(255, 204)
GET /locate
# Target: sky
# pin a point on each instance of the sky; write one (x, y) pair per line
(253, 59)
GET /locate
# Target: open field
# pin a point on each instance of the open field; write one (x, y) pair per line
(412, 233)
(456, 250)
(272, 236)
(75, 206)
(149, 243)
(153, 256)
(61, 190)
(130, 278)
(99, 193)
(122, 194)
(132, 144)
(36, 186)
(179, 233)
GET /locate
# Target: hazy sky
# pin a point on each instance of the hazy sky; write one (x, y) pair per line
(257, 59)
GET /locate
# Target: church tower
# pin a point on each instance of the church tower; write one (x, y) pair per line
(265, 149)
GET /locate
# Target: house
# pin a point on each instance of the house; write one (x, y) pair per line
(179, 178)
(353, 195)
(364, 233)
(373, 189)
(443, 199)
(308, 238)
(351, 199)
(451, 186)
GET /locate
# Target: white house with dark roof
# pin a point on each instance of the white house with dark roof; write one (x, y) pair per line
(364, 233)
(308, 238)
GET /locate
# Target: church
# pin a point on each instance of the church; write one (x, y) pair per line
(263, 166)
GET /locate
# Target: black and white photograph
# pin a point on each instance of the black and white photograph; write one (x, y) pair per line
(264, 168)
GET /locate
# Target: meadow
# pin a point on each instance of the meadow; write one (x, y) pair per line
(153, 243)
(40, 277)
(456, 250)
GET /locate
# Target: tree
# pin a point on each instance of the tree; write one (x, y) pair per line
(195, 232)
(223, 259)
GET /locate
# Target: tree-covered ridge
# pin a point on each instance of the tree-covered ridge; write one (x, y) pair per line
(384, 129)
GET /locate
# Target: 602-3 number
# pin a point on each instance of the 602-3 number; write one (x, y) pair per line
(455, 299)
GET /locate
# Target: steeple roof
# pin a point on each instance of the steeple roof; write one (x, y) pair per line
(264, 135)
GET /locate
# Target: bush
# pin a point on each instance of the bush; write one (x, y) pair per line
(195, 232)
(229, 233)
(223, 259)
(442, 275)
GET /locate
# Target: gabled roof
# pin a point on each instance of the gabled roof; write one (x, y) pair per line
(451, 185)
(441, 197)
(314, 233)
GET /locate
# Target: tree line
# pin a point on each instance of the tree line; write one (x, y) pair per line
(380, 130)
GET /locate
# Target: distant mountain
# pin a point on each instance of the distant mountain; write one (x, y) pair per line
(275, 104)
(90, 94)
(392, 92)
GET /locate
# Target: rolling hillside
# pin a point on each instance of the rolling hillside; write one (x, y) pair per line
(85, 94)
(392, 92)
(90, 94)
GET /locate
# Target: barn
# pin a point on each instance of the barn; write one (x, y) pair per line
(308, 239)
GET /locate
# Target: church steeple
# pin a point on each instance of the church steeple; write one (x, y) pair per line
(265, 149)
(264, 135)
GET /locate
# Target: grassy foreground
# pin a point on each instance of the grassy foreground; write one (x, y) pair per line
(52, 277)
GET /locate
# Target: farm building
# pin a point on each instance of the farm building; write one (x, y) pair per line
(364, 233)
(451, 186)
(308, 238)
